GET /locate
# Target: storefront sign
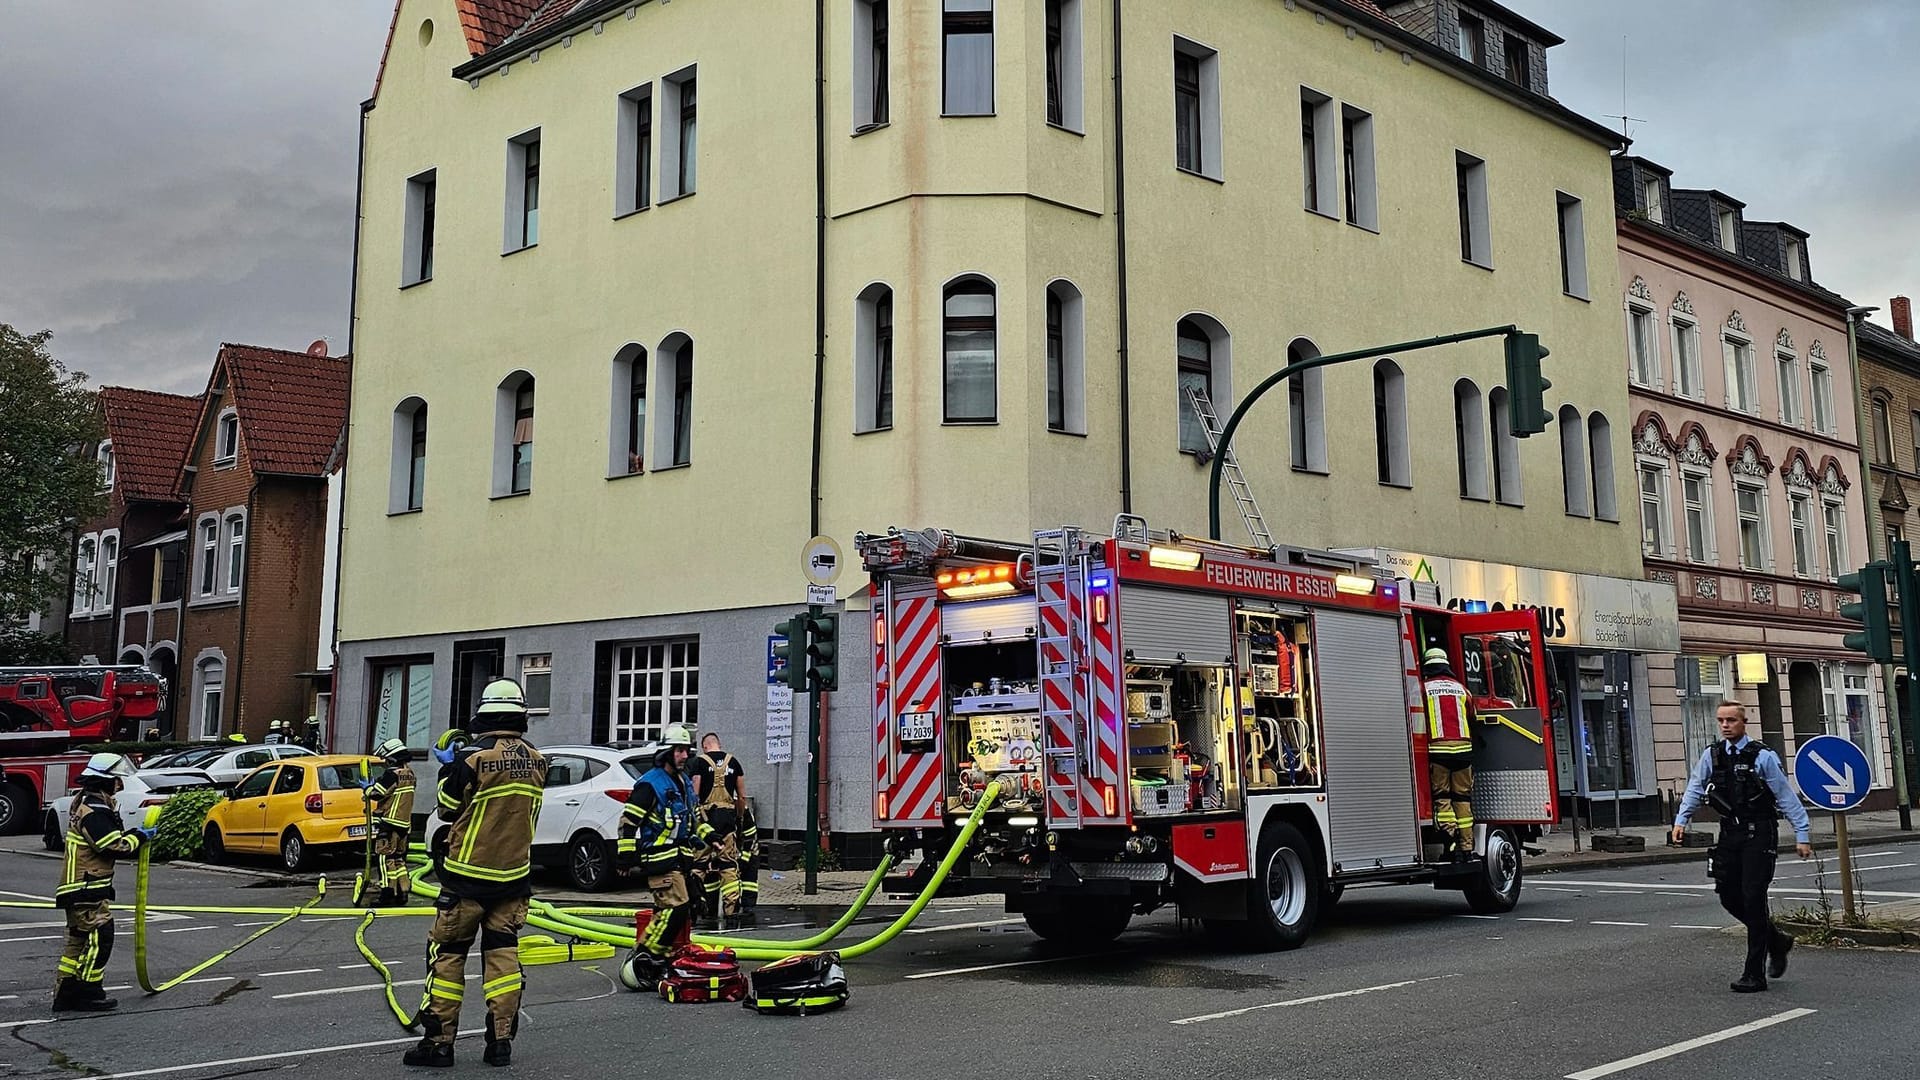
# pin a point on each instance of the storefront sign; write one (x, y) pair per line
(1581, 610)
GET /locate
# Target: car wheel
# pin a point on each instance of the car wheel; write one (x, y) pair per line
(1083, 927)
(50, 837)
(212, 848)
(293, 850)
(1496, 889)
(16, 809)
(1283, 899)
(589, 867)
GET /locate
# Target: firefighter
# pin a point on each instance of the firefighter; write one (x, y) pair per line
(1744, 781)
(660, 834)
(390, 806)
(490, 792)
(276, 733)
(310, 737)
(1449, 752)
(719, 785)
(95, 838)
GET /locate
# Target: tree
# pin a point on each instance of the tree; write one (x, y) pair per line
(49, 427)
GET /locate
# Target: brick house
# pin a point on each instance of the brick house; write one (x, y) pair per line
(1890, 387)
(125, 603)
(255, 485)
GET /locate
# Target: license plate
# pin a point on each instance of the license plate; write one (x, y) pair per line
(357, 831)
(916, 727)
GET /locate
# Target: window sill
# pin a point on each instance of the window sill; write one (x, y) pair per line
(217, 601)
(1305, 471)
(1067, 130)
(1488, 267)
(966, 116)
(405, 285)
(868, 129)
(625, 475)
(1319, 213)
(1374, 229)
(1510, 505)
(510, 494)
(226, 462)
(1396, 486)
(1607, 520)
(677, 198)
(404, 513)
(1481, 499)
(986, 422)
(1069, 434)
(674, 468)
(518, 250)
(1576, 296)
(872, 430)
(1183, 170)
(625, 214)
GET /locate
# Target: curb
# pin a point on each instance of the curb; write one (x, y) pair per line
(243, 871)
(1553, 864)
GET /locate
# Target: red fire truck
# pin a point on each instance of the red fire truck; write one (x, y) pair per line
(87, 701)
(1237, 732)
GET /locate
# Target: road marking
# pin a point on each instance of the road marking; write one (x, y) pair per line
(1310, 1000)
(1681, 895)
(45, 937)
(364, 987)
(1694, 926)
(350, 967)
(25, 1023)
(1796, 890)
(1525, 918)
(9, 997)
(188, 929)
(964, 926)
(1603, 922)
(996, 967)
(1835, 871)
(1638, 1060)
(295, 971)
(259, 1057)
(1555, 888)
(262, 922)
(27, 896)
(8, 928)
(1459, 915)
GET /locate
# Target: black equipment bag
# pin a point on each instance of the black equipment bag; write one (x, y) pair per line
(799, 984)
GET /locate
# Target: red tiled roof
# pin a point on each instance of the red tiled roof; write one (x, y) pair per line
(490, 22)
(150, 433)
(291, 406)
(551, 11)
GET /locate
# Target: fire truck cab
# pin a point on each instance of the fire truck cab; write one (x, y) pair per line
(1237, 732)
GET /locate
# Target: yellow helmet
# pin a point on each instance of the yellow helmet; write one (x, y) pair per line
(1436, 657)
(675, 737)
(502, 696)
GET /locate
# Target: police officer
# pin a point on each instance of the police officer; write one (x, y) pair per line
(95, 838)
(660, 833)
(390, 806)
(491, 793)
(1744, 781)
(1449, 751)
(719, 783)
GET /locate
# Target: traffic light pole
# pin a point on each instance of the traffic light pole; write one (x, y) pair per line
(1877, 547)
(813, 783)
(1908, 584)
(1285, 373)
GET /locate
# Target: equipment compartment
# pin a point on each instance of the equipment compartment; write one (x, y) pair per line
(993, 725)
(1278, 711)
(1180, 739)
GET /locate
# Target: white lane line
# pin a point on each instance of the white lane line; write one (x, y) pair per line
(1603, 922)
(1536, 918)
(1694, 926)
(262, 922)
(295, 971)
(9, 997)
(1835, 870)
(984, 923)
(27, 896)
(996, 967)
(1681, 895)
(1310, 1000)
(30, 1023)
(389, 963)
(260, 1057)
(1664, 1052)
(45, 937)
(1462, 915)
(1555, 888)
(364, 987)
(1795, 890)
(188, 929)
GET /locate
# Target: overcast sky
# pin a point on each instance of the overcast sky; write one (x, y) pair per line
(180, 173)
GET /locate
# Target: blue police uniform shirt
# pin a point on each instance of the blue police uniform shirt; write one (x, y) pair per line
(1770, 770)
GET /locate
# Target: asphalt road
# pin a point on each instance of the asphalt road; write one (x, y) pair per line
(1594, 970)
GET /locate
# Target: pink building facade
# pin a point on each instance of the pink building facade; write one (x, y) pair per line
(1747, 462)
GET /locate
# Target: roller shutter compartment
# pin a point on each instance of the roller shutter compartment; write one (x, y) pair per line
(1369, 757)
(1164, 626)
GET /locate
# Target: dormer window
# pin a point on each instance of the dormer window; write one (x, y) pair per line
(1794, 256)
(1729, 231)
(1470, 39)
(1519, 70)
(1656, 213)
(226, 443)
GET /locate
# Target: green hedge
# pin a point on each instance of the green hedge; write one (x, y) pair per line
(183, 820)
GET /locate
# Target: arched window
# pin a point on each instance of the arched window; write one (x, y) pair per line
(513, 435)
(673, 435)
(207, 580)
(1470, 439)
(85, 564)
(1306, 412)
(236, 549)
(873, 359)
(109, 571)
(104, 455)
(226, 445)
(209, 693)
(1573, 462)
(1600, 447)
(407, 477)
(1194, 353)
(1066, 359)
(969, 353)
(1391, 460)
(627, 406)
(1506, 452)
(1882, 432)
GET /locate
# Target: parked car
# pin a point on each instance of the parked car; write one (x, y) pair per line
(143, 789)
(227, 763)
(580, 815)
(293, 808)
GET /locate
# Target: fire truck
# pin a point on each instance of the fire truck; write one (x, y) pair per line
(1237, 732)
(45, 710)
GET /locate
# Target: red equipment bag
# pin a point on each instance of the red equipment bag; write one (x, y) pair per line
(698, 974)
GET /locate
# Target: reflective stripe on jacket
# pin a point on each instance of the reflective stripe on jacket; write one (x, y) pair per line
(392, 798)
(94, 838)
(491, 793)
(658, 823)
(1448, 715)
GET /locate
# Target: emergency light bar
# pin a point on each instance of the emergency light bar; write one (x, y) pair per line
(1166, 558)
(1355, 584)
(975, 592)
(974, 582)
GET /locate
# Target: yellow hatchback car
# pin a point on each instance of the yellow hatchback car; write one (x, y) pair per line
(293, 808)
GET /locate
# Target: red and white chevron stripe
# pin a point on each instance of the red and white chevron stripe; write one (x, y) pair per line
(913, 780)
(1104, 796)
(1059, 680)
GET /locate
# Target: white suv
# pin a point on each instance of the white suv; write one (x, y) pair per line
(587, 787)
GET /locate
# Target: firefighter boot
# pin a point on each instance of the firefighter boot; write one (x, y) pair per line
(498, 1052)
(430, 1054)
(76, 996)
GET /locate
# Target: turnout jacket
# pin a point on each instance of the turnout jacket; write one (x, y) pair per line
(94, 839)
(658, 825)
(392, 799)
(491, 793)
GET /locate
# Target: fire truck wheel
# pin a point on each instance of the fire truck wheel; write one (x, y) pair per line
(16, 809)
(1093, 925)
(1283, 899)
(1497, 888)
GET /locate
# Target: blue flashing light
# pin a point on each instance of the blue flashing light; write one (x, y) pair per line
(1476, 607)
(1101, 581)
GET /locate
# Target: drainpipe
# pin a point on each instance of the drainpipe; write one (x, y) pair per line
(346, 426)
(819, 251)
(1877, 547)
(1120, 228)
(246, 599)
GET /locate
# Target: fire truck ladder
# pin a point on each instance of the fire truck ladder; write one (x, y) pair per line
(1202, 406)
(1060, 583)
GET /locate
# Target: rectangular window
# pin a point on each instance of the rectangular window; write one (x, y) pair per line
(1849, 707)
(1742, 395)
(1650, 194)
(1788, 366)
(1914, 426)
(1697, 496)
(883, 362)
(1470, 184)
(1794, 255)
(870, 74)
(1186, 111)
(1519, 63)
(236, 551)
(1894, 535)
(689, 136)
(653, 684)
(402, 702)
(1882, 433)
(1751, 506)
(683, 405)
(1800, 515)
(85, 555)
(226, 444)
(1834, 516)
(1641, 344)
(1056, 363)
(417, 459)
(536, 682)
(1686, 359)
(417, 262)
(1195, 372)
(1356, 128)
(209, 554)
(213, 685)
(633, 171)
(523, 192)
(1653, 510)
(1196, 109)
(1703, 685)
(637, 416)
(679, 133)
(1319, 172)
(967, 58)
(522, 480)
(1729, 231)
(1470, 39)
(1573, 247)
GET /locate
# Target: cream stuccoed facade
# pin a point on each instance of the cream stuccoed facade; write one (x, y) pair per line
(448, 570)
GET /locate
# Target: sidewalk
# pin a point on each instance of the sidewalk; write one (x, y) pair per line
(1863, 830)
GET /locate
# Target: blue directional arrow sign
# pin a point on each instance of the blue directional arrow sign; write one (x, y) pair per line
(1832, 773)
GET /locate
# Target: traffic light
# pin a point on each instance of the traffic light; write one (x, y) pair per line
(823, 631)
(1875, 637)
(791, 650)
(1526, 390)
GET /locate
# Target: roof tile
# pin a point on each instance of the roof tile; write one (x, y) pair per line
(150, 433)
(291, 406)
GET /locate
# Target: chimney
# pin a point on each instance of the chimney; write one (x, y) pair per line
(1902, 316)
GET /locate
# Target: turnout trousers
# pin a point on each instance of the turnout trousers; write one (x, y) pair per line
(1741, 865)
(456, 922)
(672, 914)
(1451, 777)
(89, 943)
(390, 865)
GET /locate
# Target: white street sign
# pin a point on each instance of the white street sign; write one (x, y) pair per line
(820, 560)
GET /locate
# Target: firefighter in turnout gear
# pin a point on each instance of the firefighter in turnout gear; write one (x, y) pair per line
(719, 783)
(660, 833)
(1745, 782)
(390, 806)
(1449, 751)
(490, 792)
(95, 837)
